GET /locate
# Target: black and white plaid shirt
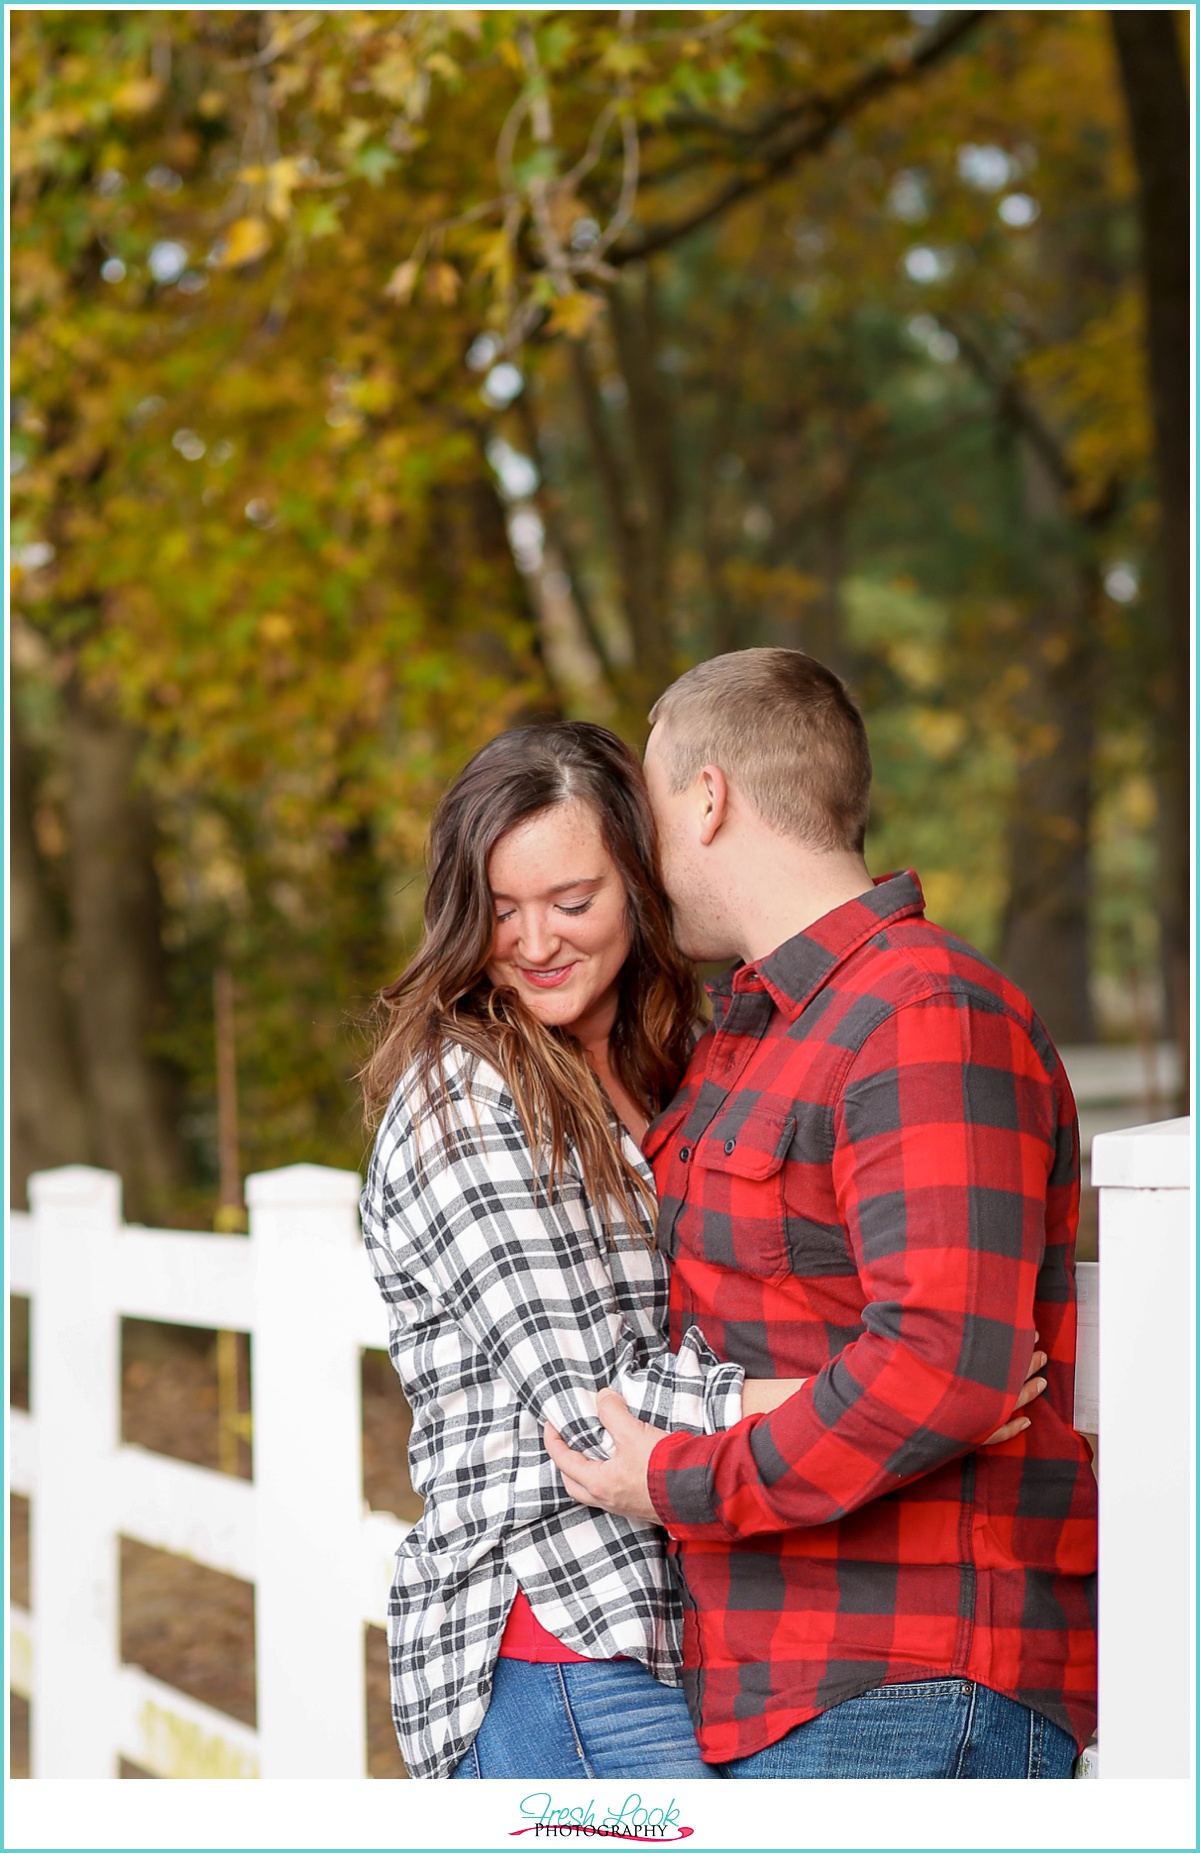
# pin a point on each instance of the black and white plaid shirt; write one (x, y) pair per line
(508, 1310)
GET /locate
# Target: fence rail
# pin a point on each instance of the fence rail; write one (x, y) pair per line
(321, 1563)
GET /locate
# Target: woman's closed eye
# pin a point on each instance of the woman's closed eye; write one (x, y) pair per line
(579, 907)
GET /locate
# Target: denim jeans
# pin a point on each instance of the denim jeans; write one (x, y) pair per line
(586, 1718)
(947, 1728)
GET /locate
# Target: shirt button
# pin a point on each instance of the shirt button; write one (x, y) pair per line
(685, 1152)
(729, 1144)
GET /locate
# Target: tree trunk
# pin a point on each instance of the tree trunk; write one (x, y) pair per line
(641, 495)
(1046, 940)
(824, 624)
(719, 438)
(116, 909)
(636, 331)
(628, 521)
(1046, 937)
(48, 1119)
(1152, 75)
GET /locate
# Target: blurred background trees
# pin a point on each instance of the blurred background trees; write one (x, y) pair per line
(383, 379)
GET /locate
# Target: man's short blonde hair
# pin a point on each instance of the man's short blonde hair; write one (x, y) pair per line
(786, 733)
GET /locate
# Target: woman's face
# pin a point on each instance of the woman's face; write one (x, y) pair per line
(561, 933)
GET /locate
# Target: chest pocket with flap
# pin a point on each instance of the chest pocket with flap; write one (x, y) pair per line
(740, 1188)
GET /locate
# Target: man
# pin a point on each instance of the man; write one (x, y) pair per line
(869, 1179)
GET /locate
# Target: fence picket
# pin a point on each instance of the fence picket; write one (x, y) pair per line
(306, 1399)
(74, 1396)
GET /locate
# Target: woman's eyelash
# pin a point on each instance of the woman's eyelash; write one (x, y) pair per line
(581, 908)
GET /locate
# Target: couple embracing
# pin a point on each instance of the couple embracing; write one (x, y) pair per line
(832, 1518)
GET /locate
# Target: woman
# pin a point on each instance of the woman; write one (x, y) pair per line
(509, 1217)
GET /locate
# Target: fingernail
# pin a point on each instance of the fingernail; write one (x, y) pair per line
(1025, 1422)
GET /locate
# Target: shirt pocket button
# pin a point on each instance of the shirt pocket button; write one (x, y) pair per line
(739, 1206)
(685, 1152)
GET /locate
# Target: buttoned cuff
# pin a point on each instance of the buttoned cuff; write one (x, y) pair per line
(680, 1483)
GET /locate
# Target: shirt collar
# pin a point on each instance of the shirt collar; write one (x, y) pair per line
(798, 968)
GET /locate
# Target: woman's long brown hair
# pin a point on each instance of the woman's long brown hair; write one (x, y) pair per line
(445, 996)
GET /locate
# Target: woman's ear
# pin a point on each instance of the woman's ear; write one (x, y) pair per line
(715, 801)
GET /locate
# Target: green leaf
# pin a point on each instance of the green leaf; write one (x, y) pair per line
(373, 163)
(541, 164)
(319, 218)
(555, 44)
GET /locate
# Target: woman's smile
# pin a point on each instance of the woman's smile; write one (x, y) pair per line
(557, 974)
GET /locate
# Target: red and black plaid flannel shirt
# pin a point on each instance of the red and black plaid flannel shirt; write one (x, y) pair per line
(870, 1178)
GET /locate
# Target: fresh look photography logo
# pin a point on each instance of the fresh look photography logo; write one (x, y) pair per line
(631, 1819)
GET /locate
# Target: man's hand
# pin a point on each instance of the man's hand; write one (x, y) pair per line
(619, 1484)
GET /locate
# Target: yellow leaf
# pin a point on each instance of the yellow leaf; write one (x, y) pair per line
(283, 177)
(392, 76)
(493, 252)
(354, 133)
(623, 57)
(403, 281)
(244, 242)
(442, 283)
(137, 96)
(574, 314)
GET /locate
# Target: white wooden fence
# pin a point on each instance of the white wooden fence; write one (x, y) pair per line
(321, 1563)
(1147, 1391)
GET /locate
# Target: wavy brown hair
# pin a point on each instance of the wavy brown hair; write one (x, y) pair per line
(444, 994)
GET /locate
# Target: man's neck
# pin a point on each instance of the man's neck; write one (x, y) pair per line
(775, 904)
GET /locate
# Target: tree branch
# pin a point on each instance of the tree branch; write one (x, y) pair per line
(559, 537)
(1012, 399)
(819, 119)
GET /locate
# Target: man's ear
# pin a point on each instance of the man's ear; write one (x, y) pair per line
(715, 794)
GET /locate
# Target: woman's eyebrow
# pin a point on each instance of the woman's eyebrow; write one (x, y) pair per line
(560, 887)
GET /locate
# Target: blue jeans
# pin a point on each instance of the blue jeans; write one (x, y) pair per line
(587, 1718)
(947, 1728)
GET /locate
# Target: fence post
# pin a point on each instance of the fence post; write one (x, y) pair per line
(75, 1403)
(1146, 1451)
(308, 1471)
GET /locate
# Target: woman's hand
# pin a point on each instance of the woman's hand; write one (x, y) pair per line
(1032, 1386)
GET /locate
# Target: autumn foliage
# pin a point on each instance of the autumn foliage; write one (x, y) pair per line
(381, 379)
